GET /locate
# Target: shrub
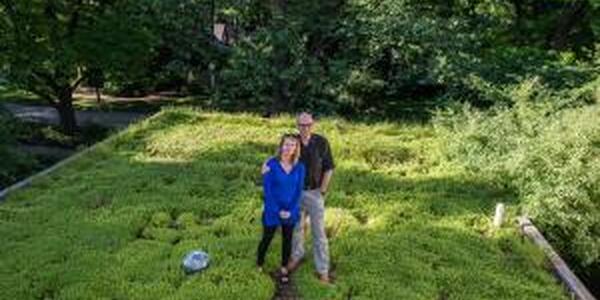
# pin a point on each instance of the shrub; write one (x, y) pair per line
(548, 153)
(13, 164)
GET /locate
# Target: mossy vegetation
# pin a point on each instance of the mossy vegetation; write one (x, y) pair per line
(116, 223)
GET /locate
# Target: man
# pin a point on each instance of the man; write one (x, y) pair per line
(318, 161)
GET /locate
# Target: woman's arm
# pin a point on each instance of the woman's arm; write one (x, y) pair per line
(299, 187)
(271, 204)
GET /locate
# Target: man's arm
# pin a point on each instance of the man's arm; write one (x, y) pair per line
(328, 166)
(325, 181)
(265, 168)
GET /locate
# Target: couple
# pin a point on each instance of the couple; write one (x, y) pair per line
(294, 183)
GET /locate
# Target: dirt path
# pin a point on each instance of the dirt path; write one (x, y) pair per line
(87, 94)
(290, 291)
(285, 291)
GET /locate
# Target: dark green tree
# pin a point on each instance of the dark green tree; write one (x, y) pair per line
(48, 46)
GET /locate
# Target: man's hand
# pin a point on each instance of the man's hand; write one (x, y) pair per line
(284, 214)
(265, 168)
(325, 182)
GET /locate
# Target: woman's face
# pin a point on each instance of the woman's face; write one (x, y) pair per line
(288, 147)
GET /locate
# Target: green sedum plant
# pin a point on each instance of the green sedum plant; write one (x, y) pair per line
(545, 150)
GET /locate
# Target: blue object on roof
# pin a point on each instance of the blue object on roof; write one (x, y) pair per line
(195, 261)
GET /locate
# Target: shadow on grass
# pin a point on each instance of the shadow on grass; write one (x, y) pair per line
(13, 95)
(232, 174)
(124, 223)
(425, 260)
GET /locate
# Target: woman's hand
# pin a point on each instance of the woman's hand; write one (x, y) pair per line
(284, 214)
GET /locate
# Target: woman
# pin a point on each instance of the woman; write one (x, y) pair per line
(282, 185)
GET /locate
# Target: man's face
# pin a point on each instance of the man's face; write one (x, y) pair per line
(305, 124)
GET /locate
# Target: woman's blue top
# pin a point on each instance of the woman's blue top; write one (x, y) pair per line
(282, 191)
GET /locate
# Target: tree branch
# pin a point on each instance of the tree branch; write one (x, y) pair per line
(47, 79)
(77, 82)
(43, 94)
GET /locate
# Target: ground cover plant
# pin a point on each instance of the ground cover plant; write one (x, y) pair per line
(546, 148)
(12, 162)
(18, 163)
(403, 224)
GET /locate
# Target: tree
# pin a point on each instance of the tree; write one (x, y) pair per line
(281, 57)
(48, 46)
(287, 58)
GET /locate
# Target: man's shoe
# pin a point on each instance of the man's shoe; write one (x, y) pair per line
(324, 278)
(293, 265)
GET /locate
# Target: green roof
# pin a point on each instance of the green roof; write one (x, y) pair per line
(403, 224)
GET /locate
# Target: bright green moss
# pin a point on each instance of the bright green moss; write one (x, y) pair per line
(116, 223)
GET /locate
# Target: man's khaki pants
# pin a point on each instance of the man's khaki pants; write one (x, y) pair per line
(313, 207)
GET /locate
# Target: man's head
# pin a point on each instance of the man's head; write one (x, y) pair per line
(305, 123)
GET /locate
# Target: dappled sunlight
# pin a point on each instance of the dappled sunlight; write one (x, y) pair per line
(433, 113)
(184, 180)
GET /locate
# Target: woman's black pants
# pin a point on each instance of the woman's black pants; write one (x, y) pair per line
(286, 245)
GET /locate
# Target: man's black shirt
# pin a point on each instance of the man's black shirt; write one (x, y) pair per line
(317, 159)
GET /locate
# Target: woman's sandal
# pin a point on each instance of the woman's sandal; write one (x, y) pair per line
(284, 275)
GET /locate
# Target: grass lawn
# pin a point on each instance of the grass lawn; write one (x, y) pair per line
(9, 94)
(116, 223)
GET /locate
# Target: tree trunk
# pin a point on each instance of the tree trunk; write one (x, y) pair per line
(281, 90)
(66, 112)
(281, 93)
(518, 27)
(213, 20)
(570, 18)
(98, 95)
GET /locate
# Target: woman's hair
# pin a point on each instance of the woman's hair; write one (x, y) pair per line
(291, 136)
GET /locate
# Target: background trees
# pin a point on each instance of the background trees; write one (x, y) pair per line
(50, 47)
(363, 59)
(351, 57)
